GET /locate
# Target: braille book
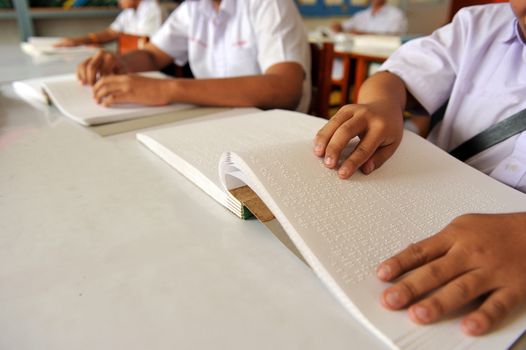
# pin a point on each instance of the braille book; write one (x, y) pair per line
(342, 228)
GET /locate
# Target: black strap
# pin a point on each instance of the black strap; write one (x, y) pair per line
(497, 133)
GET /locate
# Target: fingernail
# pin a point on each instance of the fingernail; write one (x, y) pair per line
(318, 148)
(328, 161)
(384, 272)
(369, 167)
(471, 326)
(393, 299)
(421, 313)
(344, 172)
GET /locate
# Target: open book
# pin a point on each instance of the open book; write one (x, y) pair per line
(38, 46)
(76, 101)
(343, 229)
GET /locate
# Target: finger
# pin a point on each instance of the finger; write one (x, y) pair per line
(363, 152)
(107, 101)
(93, 67)
(101, 84)
(422, 281)
(340, 139)
(324, 135)
(81, 71)
(114, 99)
(108, 65)
(382, 154)
(494, 309)
(456, 294)
(415, 255)
(109, 89)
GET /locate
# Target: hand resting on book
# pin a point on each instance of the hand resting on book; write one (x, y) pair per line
(115, 89)
(376, 120)
(475, 256)
(99, 65)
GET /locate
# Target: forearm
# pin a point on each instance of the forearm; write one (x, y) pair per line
(148, 59)
(139, 61)
(385, 88)
(105, 36)
(265, 91)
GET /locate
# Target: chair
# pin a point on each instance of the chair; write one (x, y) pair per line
(322, 57)
(130, 42)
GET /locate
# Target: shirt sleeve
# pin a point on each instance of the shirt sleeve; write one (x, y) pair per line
(118, 24)
(172, 38)
(151, 19)
(281, 35)
(429, 66)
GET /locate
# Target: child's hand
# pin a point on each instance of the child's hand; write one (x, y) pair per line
(103, 63)
(117, 89)
(474, 256)
(379, 126)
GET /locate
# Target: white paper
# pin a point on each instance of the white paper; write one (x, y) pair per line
(194, 148)
(37, 46)
(195, 154)
(344, 229)
(76, 101)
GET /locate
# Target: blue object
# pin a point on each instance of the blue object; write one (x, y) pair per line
(79, 3)
(320, 8)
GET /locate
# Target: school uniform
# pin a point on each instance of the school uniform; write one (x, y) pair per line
(388, 20)
(478, 62)
(145, 20)
(245, 37)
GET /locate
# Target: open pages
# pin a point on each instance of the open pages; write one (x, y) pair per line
(37, 46)
(194, 152)
(76, 101)
(343, 229)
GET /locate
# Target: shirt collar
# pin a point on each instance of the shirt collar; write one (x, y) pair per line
(513, 33)
(207, 8)
(380, 11)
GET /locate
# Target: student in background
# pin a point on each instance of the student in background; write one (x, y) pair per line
(243, 53)
(478, 62)
(138, 17)
(378, 18)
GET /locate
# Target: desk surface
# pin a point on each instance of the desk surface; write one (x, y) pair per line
(104, 246)
(16, 65)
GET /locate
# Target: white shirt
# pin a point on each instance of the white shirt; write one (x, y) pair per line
(388, 20)
(478, 62)
(245, 37)
(145, 20)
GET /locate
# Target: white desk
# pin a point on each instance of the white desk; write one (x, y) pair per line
(104, 246)
(15, 65)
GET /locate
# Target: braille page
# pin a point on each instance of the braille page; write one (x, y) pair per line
(345, 228)
(76, 102)
(194, 148)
